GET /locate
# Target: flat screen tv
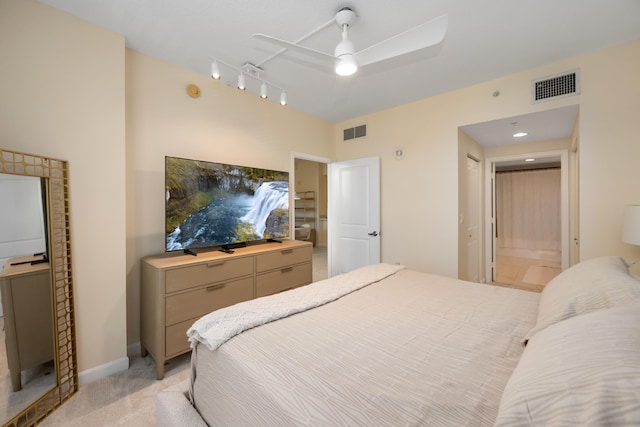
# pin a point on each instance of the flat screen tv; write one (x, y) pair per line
(214, 204)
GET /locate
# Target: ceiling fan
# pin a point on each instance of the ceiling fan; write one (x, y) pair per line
(347, 60)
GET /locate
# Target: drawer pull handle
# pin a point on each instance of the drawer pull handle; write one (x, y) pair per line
(286, 251)
(216, 264)
(287, 270)
(214, 287)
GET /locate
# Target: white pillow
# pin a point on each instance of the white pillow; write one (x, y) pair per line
(584, 371)
(587, 286)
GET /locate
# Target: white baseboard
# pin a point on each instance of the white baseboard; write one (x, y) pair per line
(99, 372)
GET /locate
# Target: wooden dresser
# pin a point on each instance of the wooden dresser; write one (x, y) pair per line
(177, 289)
(28, 320)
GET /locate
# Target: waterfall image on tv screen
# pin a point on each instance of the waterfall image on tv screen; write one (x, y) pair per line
(213, 204)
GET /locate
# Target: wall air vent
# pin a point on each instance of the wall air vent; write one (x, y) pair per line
(355, 132)
(566, 84)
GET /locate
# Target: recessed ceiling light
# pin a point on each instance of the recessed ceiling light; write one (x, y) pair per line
(530, 160)
(519, 134)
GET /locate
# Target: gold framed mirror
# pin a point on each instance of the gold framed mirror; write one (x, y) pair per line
(58, 254)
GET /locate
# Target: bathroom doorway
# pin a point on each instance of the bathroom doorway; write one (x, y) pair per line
(528, 219)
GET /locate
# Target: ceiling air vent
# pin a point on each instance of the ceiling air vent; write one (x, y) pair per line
(355, 132)
(556, 86)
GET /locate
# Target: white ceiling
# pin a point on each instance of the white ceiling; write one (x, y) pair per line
(486, 39)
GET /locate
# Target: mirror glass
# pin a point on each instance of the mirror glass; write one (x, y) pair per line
(26, 344)
(38, 369)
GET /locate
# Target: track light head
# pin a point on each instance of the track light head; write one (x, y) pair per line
(215, 70)
(263, 91)
(241, 83)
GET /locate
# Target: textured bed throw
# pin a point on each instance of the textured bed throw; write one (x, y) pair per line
(215, 328)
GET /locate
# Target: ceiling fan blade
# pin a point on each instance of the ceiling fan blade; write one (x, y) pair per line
(288, 45)
(422, 36)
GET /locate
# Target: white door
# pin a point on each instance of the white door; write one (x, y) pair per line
(472, 219)
(354, 214)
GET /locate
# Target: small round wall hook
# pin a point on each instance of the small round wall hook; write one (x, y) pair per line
(193, 91)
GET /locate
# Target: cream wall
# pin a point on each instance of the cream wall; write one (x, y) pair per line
(62, 95)
(307, 175)
(526, 148)
(223, 125)
(419, 192)
(609, 149)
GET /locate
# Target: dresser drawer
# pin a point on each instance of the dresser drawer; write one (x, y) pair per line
(283, 258)
(283, 279)
(203, 300)
(176, 338)
(211, 272)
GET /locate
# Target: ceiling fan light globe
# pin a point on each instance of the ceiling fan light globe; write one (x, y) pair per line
(346, 65)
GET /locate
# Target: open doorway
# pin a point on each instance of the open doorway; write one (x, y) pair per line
(310, 208)
(531, 245)
(553, 136)
(528, 216)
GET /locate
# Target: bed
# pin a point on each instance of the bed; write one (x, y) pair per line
(385, 345)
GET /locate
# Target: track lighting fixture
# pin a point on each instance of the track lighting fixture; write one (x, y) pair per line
(247, 70)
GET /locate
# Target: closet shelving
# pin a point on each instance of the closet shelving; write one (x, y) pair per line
(305, 209)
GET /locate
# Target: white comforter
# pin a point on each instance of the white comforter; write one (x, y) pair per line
(217, 327)
(410, 349)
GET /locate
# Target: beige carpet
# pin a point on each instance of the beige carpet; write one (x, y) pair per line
(125, 399)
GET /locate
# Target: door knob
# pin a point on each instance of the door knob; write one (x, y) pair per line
(374, 233)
